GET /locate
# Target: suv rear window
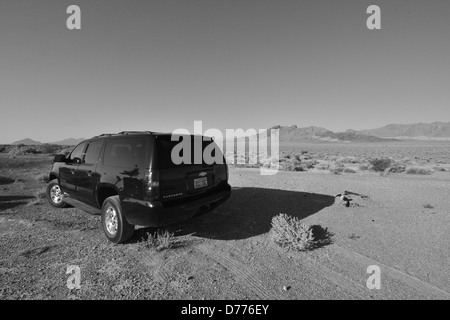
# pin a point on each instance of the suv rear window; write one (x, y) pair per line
(165, 145)
(125, 152)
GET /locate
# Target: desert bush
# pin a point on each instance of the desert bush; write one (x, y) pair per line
(289, 232)
(395, 168)
(309, 164)
(415, 170)
(349, 159)
(292, 165)
(336, 168)
(161, 240)
(304, 152)
(31, 150)
(363, 167)
(348, 170)
(439, 169)
(49, 148)
(323, 166)
(380, 164)
(16, 151)
(331, 158)
(428, 206)
(2, 149)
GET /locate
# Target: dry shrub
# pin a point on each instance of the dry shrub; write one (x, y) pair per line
(348, 170)
(420, 171)
(161, 240)
(349, 159)
(289, 232)
(380, 164)
(395, 168)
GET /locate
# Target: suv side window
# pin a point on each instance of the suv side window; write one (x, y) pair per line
(93, 151)
(125, 152)
(77, 154)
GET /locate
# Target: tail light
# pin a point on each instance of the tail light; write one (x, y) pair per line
(151, 185)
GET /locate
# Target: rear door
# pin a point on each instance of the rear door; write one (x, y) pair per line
(67, 173)
(184, 180)
(87, 177)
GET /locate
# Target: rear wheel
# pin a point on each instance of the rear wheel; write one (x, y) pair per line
(55, 195)
(116, 227)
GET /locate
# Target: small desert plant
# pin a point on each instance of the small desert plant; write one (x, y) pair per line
(439, 169)
(415, 170)
(49, 148)
(380, 164)
(161, 240)
(428, 206)
(363, 167)
(323, 166)
(350, 159)
(289, 232)
(395, 168)
(348, 170)
(337, 168)
(309, 164)
(32, 151)
(353, 236)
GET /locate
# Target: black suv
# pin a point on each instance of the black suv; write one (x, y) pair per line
(130, 179)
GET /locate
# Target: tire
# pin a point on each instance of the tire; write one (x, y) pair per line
(54, 194)
(116, 227)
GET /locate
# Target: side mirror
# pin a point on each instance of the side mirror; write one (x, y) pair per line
(76, 160)
(60, 158)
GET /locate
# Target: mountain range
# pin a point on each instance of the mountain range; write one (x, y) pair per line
(391, 132)
(65, 142)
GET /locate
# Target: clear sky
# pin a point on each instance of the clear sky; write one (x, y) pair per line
(160, 65)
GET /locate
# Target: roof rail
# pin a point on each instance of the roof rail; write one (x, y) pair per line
(131, 132)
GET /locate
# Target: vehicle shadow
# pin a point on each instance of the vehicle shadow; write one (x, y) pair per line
(5, 180)
(9, 202)
(249, 212)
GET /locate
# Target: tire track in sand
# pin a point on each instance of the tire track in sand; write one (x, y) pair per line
(416, 284)
(234, 261)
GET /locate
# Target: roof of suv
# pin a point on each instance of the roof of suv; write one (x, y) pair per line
(126, 133)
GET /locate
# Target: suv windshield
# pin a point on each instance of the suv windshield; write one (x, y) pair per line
(165, 145)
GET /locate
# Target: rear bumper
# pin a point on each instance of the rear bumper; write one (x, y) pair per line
(156, 214)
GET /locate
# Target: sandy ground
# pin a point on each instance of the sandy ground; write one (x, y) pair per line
(227, 254)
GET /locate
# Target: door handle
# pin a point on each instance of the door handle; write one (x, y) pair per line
(89, 173)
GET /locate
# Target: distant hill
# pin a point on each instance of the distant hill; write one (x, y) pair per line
(65, 142)
(420, 131)
(28, 142)
(68, 142)
(295, 134)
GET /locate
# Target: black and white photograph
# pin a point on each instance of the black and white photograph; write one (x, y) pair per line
(222, 155)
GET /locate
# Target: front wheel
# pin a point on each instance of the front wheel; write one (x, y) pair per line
(55, 195)
(116, 227)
